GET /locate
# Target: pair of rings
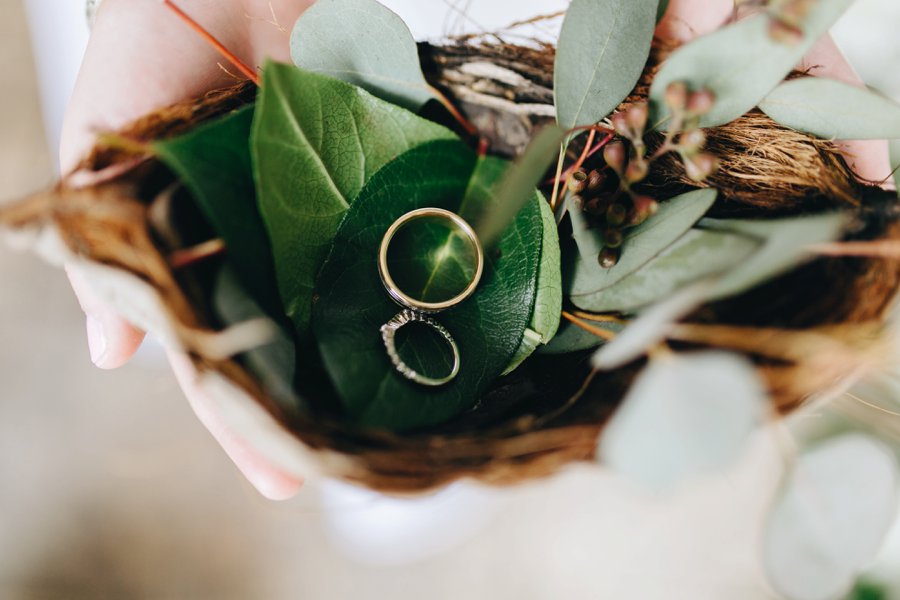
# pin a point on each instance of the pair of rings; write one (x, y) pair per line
(418, 310)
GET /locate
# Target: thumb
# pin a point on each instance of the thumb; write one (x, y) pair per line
(111, 339)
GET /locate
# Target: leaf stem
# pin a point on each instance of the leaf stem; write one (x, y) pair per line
(600, 333)
(180, 259)
(454, 112)
(212, 41)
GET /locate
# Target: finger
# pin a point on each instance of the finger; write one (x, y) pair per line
(269, 480)
(140, 58)
(869, 159)
(688, 19)
(112, 340)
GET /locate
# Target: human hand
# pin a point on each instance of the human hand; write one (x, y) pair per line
(141, 58)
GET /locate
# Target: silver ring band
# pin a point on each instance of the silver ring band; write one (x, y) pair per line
(394, 290)
(388, 335)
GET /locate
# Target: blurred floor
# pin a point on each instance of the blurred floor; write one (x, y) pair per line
(110, 488)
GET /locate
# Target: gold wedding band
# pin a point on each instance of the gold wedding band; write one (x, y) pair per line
(394, 290)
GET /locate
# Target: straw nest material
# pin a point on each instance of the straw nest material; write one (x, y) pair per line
(805, 330)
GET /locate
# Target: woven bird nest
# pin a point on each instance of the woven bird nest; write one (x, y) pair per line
(550, 412)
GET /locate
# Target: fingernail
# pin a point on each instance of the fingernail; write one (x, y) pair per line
(96, 340)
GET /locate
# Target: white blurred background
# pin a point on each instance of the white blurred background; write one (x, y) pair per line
(110, 488)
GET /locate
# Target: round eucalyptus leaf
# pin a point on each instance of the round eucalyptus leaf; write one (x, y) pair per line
(685, 416)
(836, 506)
(352, 304)
(833, 110)
(363, 43)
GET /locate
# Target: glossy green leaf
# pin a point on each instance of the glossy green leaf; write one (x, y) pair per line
(315, 143)
(685, 416)
(740, 63)
(833, 110)
(213, 161)
(697, 255)
(785, 246)
(352, 303)
(602, 50)
(548, 303)
(517, 185)
(362, 42)
(642, 244)
(835, 509)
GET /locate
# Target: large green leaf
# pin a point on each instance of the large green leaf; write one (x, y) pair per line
(315, 143)
(643, 243)
(740, 63)
(786, 245)
(363, 43)
(833, 110)
(548, 304)
(352, 303)
(602, 50)
(695, 256)
(213, 161)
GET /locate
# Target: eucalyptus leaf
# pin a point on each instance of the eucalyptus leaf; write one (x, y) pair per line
(697, 255)
(642, 244)
(352, 303)
(603, 47)
(836, 507)
(785, 245)
(740, 63)
(572, 338)
(213, 161)
(363, 43)
(548, 303)
(833, 110)
(517, 186)
(650, 328)
(685, 416)
(316, 141)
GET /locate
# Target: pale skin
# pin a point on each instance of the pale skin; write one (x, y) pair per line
(140, 58)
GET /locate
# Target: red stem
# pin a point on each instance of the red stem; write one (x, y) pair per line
(211, 39)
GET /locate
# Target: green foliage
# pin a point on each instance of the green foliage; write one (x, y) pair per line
(697, 255)
(363, 43)
(675, 217)
(785, 245)
(315, 143)
(740, 63)
(833, 110)
(571, 338)
(352, 303)
(213, 161)
(602, 50)
(548, 303)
